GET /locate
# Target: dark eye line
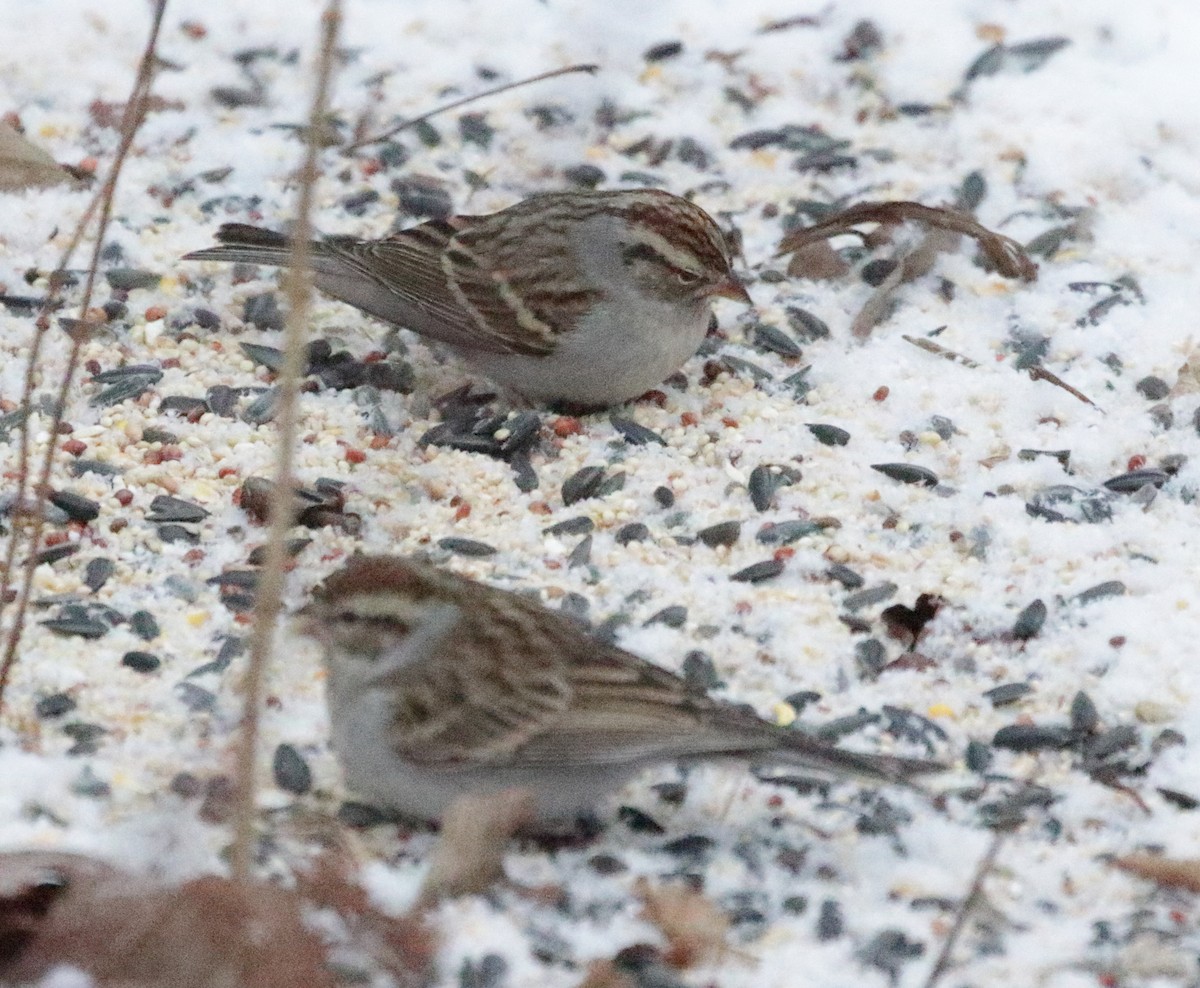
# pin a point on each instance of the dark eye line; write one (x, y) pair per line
(645, 252)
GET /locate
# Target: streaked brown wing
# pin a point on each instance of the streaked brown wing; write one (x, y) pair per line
(477, 285)
(465, 705)
(571, 700)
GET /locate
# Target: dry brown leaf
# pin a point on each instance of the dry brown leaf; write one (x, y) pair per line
(1003, 253)
(403, 946)
(694, 926)
(469, 857)
(127, 932)
(1177, 873)
(1188, 381)
(24, 165)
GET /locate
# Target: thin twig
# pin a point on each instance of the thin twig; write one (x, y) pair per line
(454, 104)
(1041, 374)
(131, 119)
(965, 908)
(269, 594)
(929, 346)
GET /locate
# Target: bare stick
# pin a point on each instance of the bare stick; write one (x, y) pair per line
(1041, 374)
(589, 69)
(131, 119)
(970, 900)
(269, 595)
(929, 346)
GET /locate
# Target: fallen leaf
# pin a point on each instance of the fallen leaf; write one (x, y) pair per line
(24, 165)
(1178, 873)
(694, 926)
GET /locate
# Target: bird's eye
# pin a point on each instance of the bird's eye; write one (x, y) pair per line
(346, 617)
(688, 278)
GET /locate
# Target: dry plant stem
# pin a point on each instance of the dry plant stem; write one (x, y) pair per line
(1041, 374)
(349, 148)
(270, 588)
(988, 862)
(929, 346)
(131, 119)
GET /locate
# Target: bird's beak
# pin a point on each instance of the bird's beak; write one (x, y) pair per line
(734, 290)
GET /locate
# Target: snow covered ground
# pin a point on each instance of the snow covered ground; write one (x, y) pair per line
(762, 112)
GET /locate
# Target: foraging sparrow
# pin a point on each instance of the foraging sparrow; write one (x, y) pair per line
(590, 298)
(439, 686)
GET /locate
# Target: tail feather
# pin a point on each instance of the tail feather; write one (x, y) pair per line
(805, 752)
(240, 242)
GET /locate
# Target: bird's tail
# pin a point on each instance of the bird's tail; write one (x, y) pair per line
(240, 242)
(812, 754)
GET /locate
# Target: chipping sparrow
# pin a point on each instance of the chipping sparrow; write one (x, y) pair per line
(439, 686)
(590, 298)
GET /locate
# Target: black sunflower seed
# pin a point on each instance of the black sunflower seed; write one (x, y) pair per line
(524, 476)
(195, 698)
(829, 435)
(582, 484)
(77, 627)
(1153, 388)
(871, 595)
(786, 532)
(1085, 718)
(635, 433)
(580, 525)
(144, 625)
(1135, 480)
(805, 325)
(1104, 745)
(665, 497)
(581, 555)
(76, 506)
(662, 51)
(55, 553)
(177, 533)
(610, 485)
(523, 430)
(765, 480)
(165, 508)
(291, 772)
(635, 531)
(674, 616)
(262, 311)
(1032, 737)
(98, 572)
(845, 576)
(768, 569)
(54, 705)
(183, 405)
(263, 408)
(639, 822)
(907, 473)
(723, 533)
(1007, 693)
(736, 365)
(773, 340)
(1109, 588)
(466, 547)
(144, 662)
(1029, 622)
